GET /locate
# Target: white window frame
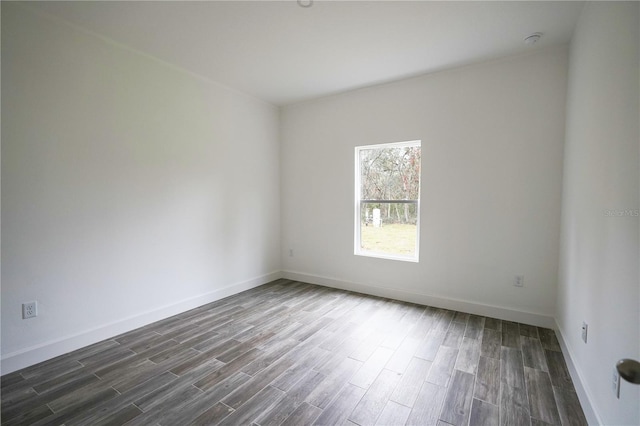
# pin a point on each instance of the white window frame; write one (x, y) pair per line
(358, 251)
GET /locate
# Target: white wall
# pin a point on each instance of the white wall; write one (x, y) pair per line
(599, 277)
(492, 145)
(128, 187)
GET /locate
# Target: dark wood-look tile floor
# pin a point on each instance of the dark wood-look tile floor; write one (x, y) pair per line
(290, 353)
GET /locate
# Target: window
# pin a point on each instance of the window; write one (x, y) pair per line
(387, 204)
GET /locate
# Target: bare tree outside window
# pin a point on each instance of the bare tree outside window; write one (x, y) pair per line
(388, 200)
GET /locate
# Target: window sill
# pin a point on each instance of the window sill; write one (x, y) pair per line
(413, 259)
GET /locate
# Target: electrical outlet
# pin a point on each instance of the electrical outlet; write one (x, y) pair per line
(615, 384)
(29, 310)
(585, 328)
(290, 252)
(519, 281)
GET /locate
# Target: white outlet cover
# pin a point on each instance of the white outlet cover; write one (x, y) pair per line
(29, 310)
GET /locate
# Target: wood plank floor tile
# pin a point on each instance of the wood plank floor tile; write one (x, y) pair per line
(457, 403)
(514, 406)
(293, 398)
(192, 363)
(12, 410)
(443, 319)
(453, 338)
(271, 354)
(308, 331)
(541, 398)
(171, 408)
(339, 410)
(324, 393)
(258, 382)
(112, 366)
(528, 330)
(340, 334)
(569, 407)
(413, 315)
(305, 414)
(487, 386)
(294, 353)
(118, 403)
(375, 399)
(491, 343)
(168, 386)
(213, 415)
(442, 366)
(147, 342)
(422, 326)
(228, 370)
(192, 335)
(90, 350)
(411, 382)
(247, 412)
(461, 317)
(394, 336)
(558, 370)
(548, 339)
(134, 336)
(17, 388)
(299, 369)
(536, 422)
(188, 410)
(532, 353)
(484, 414)
(403, 355)
(120, 417)
(428, 348)
(51, 369)
(27, 417)
(511, 367)
(475, 325)
(49, 385)
(18, 397)
(365, 348)
(371, 368)
(336, 357)
(468, 356)
(77, 404)
(11, 379)
(510, 327)
(393, 414)
(510, 334)
(141, 375)
(493, 324)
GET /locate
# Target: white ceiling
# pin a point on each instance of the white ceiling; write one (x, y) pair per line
(283, 53)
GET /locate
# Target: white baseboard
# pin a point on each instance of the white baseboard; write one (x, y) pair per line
(23, 358)
(29, 356)
(578, 383)
(499, 312)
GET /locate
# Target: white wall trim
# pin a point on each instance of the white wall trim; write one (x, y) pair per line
(29, 356)
(471, 307)
(584, 395)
